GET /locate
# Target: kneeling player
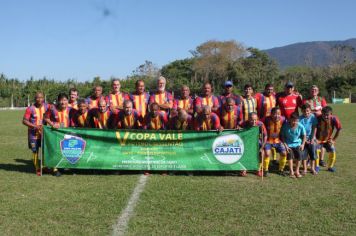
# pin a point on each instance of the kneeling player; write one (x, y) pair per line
(273, 124)
(128, 118)
(207, 120)
(253, 122)
(155, 119)
(183, 121)
(79, 118)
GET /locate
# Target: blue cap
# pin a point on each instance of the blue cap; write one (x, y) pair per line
(228, 83)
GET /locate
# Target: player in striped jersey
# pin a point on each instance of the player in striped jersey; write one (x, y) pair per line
(128, 118)
(230, 114)
(273, 124)
(163, 98)
(207, 99)
(248, 102)
(182, 121)
(207, 120)
(185, 102)
(93, 100)
(265, 101)
(228, 93)
(101, 117)
(327, 124)
(73, 97)
(58, 116)
(80, 117)
(155, 119)
(116, 98)
(140, 99)
(33, 119)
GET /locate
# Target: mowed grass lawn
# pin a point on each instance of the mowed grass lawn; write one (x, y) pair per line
(176, 205)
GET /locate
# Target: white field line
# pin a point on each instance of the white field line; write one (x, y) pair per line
(122, 222)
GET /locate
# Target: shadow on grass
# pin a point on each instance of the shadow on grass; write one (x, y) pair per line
(21, 165)
(26, 166)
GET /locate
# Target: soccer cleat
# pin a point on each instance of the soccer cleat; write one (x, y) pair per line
(282, 173)
(38, 172)
(317, 169)
(259, 173)
(332, 169)
(265, 173)
(322, 163)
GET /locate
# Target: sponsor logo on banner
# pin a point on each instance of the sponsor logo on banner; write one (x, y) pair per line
(72, 148)
(228, 149)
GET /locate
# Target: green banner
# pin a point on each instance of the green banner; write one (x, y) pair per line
(150, 150)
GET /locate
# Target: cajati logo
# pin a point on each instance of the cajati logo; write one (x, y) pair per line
(228, 149)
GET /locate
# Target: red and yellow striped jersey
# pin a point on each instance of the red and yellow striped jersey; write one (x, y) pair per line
(273, 129)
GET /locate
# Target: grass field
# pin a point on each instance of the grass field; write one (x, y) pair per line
(86, 204)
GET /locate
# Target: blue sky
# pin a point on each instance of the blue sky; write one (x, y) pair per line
(81, 39)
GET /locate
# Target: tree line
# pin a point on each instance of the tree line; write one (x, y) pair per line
(214, 62)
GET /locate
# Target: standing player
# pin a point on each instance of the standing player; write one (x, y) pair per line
(185, 102)
(73, 97)
(80, 118)
(208, 99)
(273, 124)
(163, 98)
(230, 114)
(33, 119)
(155, 119)
(293, 136)
(128, 118)
(59, 117)
(289, 101)
(228, 93)
(315, 101)
(309, 121)
(248, 102)
(116, 98)
(265, 101)
(93, 100)
(252, 122)
(140, 99)
(327, 124)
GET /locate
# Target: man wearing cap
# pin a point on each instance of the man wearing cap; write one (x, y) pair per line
(289, 100)
(228, 92)
(315, 101)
